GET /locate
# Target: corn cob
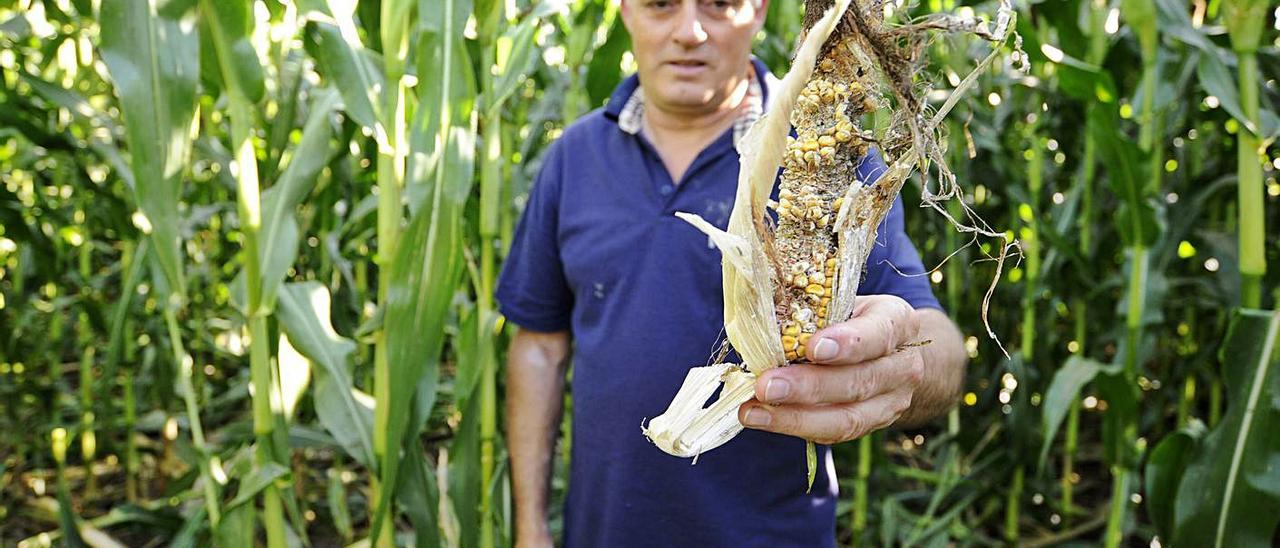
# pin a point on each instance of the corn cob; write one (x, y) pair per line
(783, 283)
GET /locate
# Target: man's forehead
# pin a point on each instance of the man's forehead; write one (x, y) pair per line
(755, 3)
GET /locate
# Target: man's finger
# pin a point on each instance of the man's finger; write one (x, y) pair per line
(827, 424)
(822, 384)
(878, 326)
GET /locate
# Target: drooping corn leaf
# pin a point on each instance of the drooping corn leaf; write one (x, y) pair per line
(1230, 492)
(304, 317)
(152, 54)
(349, 66)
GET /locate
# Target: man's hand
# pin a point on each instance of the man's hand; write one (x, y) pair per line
(865, 376)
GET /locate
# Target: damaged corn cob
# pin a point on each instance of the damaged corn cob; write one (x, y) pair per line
(784, 282)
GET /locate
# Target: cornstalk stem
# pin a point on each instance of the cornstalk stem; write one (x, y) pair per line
(1119, 505)
(860, 490)
(130, 445)
(391, 171)
(490, 194)
(183, 363)
(1253, 261)
(1011, 510)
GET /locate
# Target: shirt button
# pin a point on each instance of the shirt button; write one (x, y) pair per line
(666, 189)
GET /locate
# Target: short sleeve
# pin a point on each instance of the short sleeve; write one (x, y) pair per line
(894, 266)
(532, 290)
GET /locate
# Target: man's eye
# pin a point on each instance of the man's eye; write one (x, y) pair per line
(719, 6)
(660, 4)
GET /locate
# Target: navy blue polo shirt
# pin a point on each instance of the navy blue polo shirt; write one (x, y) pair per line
(600, 253)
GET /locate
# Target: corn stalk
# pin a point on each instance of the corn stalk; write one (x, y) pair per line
(1245, 20)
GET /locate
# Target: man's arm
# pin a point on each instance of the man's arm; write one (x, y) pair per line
(536, 366)
(868, 375)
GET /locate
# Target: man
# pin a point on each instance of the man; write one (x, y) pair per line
(600, 260)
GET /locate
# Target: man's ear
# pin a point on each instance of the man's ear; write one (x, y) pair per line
(624, 9)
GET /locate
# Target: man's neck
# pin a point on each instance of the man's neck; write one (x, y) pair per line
(679, 136)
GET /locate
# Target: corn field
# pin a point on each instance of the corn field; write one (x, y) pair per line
(248, 251)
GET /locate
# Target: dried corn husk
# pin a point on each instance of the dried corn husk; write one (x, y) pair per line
(755, 274)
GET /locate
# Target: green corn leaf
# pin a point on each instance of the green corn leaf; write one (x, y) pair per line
(419, 498)
(1221, 83)
(76, 104)
(1164, 470)
(605, 70)
(152, 54)
(519, 46)
(811, 462)
(236, 528)
(279, 236)
(336, 494)
(1126, 170)
(232, 23)
(257, 480)
(1063, 391)
(349, 67)
(464, 474)
(304, 317)
(1230, 492)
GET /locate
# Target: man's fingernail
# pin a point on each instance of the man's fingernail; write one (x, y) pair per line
(776, 389)
(756, 417)
(825, 349)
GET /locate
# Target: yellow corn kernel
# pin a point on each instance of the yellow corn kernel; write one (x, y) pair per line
(822, 322)
(827, 141)
(788, 342)
(823, 221)
(814, 289)
(843, 136)
(792, 356)
(831, 263)
(809, 144)
(827, 65)
(800, 281)
(824, 302)
(835, 206)
(804, 339)
(822, 312)
(791, 330)
(800, 351)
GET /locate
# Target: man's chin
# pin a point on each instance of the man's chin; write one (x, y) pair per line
(685, 97)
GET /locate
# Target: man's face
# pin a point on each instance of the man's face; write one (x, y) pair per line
(691, 53)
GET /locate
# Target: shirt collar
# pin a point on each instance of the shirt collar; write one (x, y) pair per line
(626, 105)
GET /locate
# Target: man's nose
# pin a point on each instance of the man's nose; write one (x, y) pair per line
(689, 31)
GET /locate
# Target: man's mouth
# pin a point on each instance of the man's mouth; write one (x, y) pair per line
(687, 66)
